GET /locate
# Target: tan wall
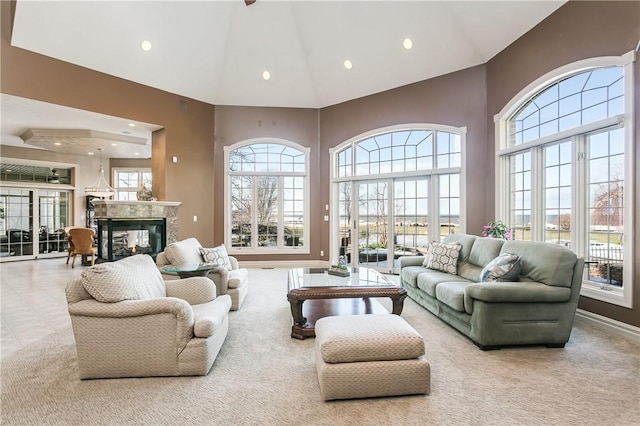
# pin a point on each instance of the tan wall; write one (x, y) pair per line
(577, 31)
(457, 99)
(188, 124)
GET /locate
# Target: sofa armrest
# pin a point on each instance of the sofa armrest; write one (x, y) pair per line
(195, 290)
(509, 292)
(410, 261)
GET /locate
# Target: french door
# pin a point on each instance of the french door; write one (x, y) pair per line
(32, 223)
(381, 220)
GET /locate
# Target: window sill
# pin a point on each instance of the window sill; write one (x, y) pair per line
(614, 296)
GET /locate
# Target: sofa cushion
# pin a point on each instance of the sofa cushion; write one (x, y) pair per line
(467, 242)
(132, 278)
(217, 255)
(547, 263)
(469, 271)
(429, 279)
(505, 267)
(185, 251)
(409, 275)
(484, 250)
(444, 257)
(451, 293)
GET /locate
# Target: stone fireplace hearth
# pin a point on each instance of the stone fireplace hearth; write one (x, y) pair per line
(126, 228)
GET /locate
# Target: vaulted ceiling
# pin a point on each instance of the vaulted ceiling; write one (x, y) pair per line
(216, 51)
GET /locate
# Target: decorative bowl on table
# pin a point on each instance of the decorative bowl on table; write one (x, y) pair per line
(339, 270)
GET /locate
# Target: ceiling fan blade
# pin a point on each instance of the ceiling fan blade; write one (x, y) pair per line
(249, 2)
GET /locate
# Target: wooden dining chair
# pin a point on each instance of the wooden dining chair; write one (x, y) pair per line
(82, 241)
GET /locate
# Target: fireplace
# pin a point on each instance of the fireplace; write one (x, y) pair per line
(126, 228)
(119, 238)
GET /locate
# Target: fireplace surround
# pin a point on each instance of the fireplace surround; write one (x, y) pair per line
(126, 228)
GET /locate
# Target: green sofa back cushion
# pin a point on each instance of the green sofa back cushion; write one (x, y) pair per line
(543, 262)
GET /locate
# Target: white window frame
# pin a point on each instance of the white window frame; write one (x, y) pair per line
(280, 248)
(621, 297)
(116, 170)
(433, 172)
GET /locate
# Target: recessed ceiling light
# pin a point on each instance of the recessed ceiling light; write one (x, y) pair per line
(57, 143)
(347, 64)
(136, 153)
(407, 43)
(8, 171)
(132, 125)
(145, 45)
(266, 75)
(114, 144)
(90, 153)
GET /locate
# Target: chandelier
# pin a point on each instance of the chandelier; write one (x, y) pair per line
(101, 188)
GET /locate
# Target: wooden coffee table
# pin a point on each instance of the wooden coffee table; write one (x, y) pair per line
(327, 295)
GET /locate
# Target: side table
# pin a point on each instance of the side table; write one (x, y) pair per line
(187, 270)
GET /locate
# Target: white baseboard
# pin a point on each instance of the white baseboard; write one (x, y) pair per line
(287, 264)
(607, 324)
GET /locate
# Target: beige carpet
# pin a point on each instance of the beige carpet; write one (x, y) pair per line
(264, 377)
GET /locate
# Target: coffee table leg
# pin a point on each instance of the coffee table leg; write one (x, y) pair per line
(398, 303)
(296, 312)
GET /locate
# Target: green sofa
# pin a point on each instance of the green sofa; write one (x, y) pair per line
(538, 309)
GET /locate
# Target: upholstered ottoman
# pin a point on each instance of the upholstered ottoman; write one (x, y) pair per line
(361, 356)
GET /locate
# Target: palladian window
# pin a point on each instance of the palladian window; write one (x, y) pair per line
(394, 191)
(565, 167)
(267, 193)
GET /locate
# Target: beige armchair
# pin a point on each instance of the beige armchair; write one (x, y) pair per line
(229, 278)
(128, 322)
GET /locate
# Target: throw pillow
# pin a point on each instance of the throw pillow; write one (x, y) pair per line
(132, 278)
(444, 257)
(216, 255)
(183, 252)
(425, 252)
(505, 267)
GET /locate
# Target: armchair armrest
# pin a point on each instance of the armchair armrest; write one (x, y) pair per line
(220, 277)
(523, 292)
(104, 320)
(195, 290)
(133, 308)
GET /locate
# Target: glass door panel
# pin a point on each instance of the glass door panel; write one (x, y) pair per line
(54, 217)
(411, 212)
(373, 228)
(16, 239)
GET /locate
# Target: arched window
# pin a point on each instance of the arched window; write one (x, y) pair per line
(394, 190)
(564, 163)
(267, 197)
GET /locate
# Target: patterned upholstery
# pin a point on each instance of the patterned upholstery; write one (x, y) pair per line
(185, 251)
(177, 332)
(132, 278)
(216, 255)
(231, 279)
(368, 338)
(361, 356)
(444, 257)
